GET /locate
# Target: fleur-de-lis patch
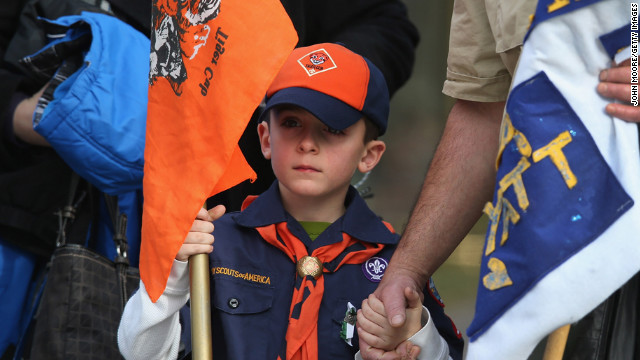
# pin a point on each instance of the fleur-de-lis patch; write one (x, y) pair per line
(374, 268)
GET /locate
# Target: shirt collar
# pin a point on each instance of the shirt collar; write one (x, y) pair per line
(358, 220)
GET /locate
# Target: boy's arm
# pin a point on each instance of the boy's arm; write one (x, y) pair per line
(152, 330)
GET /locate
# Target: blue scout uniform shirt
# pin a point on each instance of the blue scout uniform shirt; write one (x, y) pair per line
(252, 281)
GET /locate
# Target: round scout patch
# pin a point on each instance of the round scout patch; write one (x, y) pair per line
(374, 268)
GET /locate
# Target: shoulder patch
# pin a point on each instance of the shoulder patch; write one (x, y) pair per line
(374, 268)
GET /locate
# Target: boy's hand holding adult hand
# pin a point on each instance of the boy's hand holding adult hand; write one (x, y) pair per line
(391, 291)
(384, 341)
(200, 239)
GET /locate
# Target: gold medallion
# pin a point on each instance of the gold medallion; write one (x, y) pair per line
(309, 265)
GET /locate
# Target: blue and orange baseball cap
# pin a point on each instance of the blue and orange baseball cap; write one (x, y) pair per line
(334, 84)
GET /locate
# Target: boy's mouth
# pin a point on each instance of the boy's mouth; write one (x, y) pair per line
(306, 168)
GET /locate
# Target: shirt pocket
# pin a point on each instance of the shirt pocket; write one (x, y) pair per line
(246, 322)
(240, 297)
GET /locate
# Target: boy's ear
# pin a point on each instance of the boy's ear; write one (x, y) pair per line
(373, 152)
(265, 139)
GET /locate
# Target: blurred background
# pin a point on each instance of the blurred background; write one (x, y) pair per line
(418, 114)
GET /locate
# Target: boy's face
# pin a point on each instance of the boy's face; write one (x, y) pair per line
(309, 159)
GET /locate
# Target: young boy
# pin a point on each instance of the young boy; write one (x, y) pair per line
(290, 268)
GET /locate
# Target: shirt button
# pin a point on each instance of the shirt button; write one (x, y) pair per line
(233, 303)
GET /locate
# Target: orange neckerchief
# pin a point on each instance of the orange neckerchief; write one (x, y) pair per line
(302, 332)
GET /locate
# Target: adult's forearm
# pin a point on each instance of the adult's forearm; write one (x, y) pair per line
(459, 182)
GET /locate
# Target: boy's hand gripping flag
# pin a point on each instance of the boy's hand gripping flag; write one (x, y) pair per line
(210, 65)
(563, 224)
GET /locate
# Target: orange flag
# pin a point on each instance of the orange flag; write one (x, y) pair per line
(210, 65)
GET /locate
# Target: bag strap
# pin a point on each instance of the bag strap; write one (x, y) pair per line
(77, 211)
(119, 222)
(82, 210)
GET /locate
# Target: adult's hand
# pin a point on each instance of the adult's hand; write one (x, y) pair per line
(391, 291)
(615, 83)
(200, 239)
(23, 120)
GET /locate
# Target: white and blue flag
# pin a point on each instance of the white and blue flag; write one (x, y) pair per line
(564, 229)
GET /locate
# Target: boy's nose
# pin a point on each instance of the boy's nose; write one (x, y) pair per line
(308, 142)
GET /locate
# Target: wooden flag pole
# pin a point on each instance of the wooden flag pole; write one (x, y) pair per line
(200, 307)
(556, 343)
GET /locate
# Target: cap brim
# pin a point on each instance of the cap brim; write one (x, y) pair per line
(331, 111)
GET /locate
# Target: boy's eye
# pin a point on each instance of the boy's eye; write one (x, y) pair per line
(334, 131)
(290, 122)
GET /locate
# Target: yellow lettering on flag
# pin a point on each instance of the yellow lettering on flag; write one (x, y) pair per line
(505, 211)
(553, 150)
(509, 132)
(514, 179)
(558, 4)
(498, 277)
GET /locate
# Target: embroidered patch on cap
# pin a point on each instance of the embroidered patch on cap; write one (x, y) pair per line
(374, 268)
(316, 62)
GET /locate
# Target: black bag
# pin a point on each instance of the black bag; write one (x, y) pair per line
(611, 330)
(84, 293)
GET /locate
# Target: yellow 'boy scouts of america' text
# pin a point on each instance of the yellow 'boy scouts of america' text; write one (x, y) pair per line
(245, 276)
